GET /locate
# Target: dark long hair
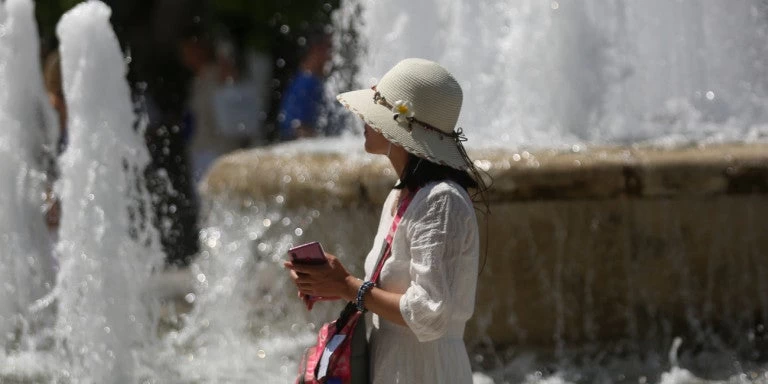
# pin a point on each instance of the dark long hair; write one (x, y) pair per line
(418, 172)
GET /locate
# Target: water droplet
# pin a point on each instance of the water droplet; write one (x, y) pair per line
(280, 63)
(262, 354)
(286, 221)
(516, 157)
(298, 232)
(279, 199)
(267, 223)
(286, 179)
(576, 148)
(285, 29)
(201, 277)
(710, 95)
(107, 330)
(555, 5)
(190, 298)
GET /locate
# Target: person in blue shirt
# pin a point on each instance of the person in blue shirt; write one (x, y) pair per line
(303, 97)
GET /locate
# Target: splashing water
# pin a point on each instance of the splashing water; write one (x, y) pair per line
(553, 73)
(107, 247)
(26, 266)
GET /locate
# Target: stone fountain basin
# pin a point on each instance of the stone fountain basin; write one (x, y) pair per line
(598, 245)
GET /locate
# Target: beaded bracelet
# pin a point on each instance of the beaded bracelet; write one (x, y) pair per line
(361, 295)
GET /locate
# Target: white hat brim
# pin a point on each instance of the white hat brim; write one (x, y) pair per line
(420, 141)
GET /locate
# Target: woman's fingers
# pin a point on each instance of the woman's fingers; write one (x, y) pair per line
(294, 276)
(307, 269)
(308, 302)
(319, 280)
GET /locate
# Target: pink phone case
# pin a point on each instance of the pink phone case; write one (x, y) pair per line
(310, 253)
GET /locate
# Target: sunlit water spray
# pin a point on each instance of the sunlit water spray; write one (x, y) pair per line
(26, 265)
(245, 324)
(559, 73)
(107, 247)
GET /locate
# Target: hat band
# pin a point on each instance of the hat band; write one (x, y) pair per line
(378, 98)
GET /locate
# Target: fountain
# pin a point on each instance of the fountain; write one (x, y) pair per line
(627, 146)
(106, 249)
(629, 190)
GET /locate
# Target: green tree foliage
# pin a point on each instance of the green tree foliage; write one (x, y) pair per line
(253, 20)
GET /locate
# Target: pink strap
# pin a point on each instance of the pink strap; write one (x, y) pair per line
(404, 202)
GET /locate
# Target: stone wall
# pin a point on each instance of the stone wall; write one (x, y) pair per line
(598, 245)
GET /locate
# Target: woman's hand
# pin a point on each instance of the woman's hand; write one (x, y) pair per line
(331, 281)
(326, 281)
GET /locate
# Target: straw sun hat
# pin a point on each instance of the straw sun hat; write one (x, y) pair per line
(415, 105)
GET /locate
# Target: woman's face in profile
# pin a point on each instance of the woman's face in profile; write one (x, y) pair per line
(375, 143)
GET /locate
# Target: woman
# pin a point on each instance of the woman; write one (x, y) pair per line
(426, 289)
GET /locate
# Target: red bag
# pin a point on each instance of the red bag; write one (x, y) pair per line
(341, 352)
(340, 355)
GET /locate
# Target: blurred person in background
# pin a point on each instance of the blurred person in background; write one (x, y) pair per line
(303, 97)
(198, 54)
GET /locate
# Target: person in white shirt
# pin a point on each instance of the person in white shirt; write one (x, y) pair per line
(426, 289)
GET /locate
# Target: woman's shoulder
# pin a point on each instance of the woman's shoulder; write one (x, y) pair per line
(445, 191)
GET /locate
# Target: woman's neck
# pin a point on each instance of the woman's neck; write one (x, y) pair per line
(398, 159)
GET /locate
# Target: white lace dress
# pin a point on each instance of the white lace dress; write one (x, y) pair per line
(434, 265)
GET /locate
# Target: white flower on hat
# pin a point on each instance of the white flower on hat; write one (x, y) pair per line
(402, 110)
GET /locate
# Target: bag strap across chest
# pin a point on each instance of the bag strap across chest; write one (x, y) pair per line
(405, 201)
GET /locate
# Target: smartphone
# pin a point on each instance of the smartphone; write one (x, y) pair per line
(310, 253)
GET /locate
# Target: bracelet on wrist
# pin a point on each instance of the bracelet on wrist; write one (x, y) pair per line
(360, 300)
